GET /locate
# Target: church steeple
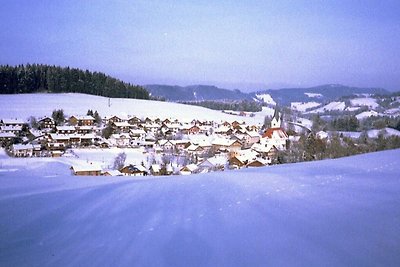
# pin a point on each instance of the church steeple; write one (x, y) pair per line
(276, 120)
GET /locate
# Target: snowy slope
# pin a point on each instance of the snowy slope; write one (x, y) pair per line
(303, 106)
(313, 95)
(266, 98)
(365, 101)
(332, 106)
(327, 213)
(25, 105)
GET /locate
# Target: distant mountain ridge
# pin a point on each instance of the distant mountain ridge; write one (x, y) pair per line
(284, 96)
(321, 93)
(194, 93)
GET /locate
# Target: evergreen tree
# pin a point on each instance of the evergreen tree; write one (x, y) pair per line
(58, 116)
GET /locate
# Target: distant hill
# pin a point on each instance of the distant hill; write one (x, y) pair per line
(321, 94)
(194, 93)
(284, 97)
(52, 79)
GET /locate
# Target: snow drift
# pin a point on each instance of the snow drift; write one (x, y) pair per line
(326, 213)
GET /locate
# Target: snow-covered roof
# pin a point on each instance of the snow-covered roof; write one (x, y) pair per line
(137, 131)
(10, 128)
(86, 167)
(84, 117)
(22, 146)
(65, 128)
(113, 172)
(13, 121)
(215, 161)
(155, 167)
(7, 135)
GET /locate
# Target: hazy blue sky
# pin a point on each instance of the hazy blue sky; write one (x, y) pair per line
(227, 43)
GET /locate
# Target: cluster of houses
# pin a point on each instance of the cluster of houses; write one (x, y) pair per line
(207, 145)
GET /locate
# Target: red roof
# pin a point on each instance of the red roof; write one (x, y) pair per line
(269, 132)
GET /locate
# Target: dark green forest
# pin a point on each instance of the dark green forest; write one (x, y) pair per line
(38, 78)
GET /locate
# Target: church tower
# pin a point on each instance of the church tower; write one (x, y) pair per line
(276, 120)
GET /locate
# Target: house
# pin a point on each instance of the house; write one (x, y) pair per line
(250, 138)
(223, 144)
(188, 169)
(20, 150)
(111, 119)
(65, 129)
(235, 124)
(238, 161)
(87, 139)
(134, 170)
(90, 169)
(155, 169)
(243, 157)
(120, 140)
(59, 138)
(134, 121)
(11, 129)
(166, 145)
(265, 150)
(84, 129)
(275, 135)
(13, 122)
(123, 127)
(81, 120)
(259, 162)
(224, 130)
(6, 137)
(195, 149)
(213, 163)
(46, 123)
(194, 129)
(181, 144)
(112, 173)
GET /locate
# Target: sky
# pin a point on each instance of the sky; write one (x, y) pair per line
(248, 45)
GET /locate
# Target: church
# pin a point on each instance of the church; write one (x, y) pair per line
(275, 135)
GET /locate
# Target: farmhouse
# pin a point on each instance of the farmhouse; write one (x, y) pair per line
(90, 169)
(20, 150)
(81, 120)
(134, 170)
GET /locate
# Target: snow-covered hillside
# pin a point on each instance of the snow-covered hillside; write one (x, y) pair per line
(303, 106)
(365, 101)
(332, 106)
(266, 98)
(25, 105)
(326, 213)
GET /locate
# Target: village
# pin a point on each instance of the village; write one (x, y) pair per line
(170, 146)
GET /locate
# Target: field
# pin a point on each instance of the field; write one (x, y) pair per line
(342, 212)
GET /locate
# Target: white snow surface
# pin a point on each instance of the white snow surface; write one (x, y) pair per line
(266, 98)
(332, 106)
(25, 105)
(325, 213)
(313, 95)
(366, 114)
(303, 106)
(365, 101)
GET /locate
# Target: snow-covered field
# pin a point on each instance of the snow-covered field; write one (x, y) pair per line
(266, 98)
(303, 106)
(313, 95)
(332, 106)
(23, 106)
(325, 213)
(365, 101)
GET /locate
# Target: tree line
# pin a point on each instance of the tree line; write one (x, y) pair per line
(310, 147)
(33, 78)
(244, 105)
